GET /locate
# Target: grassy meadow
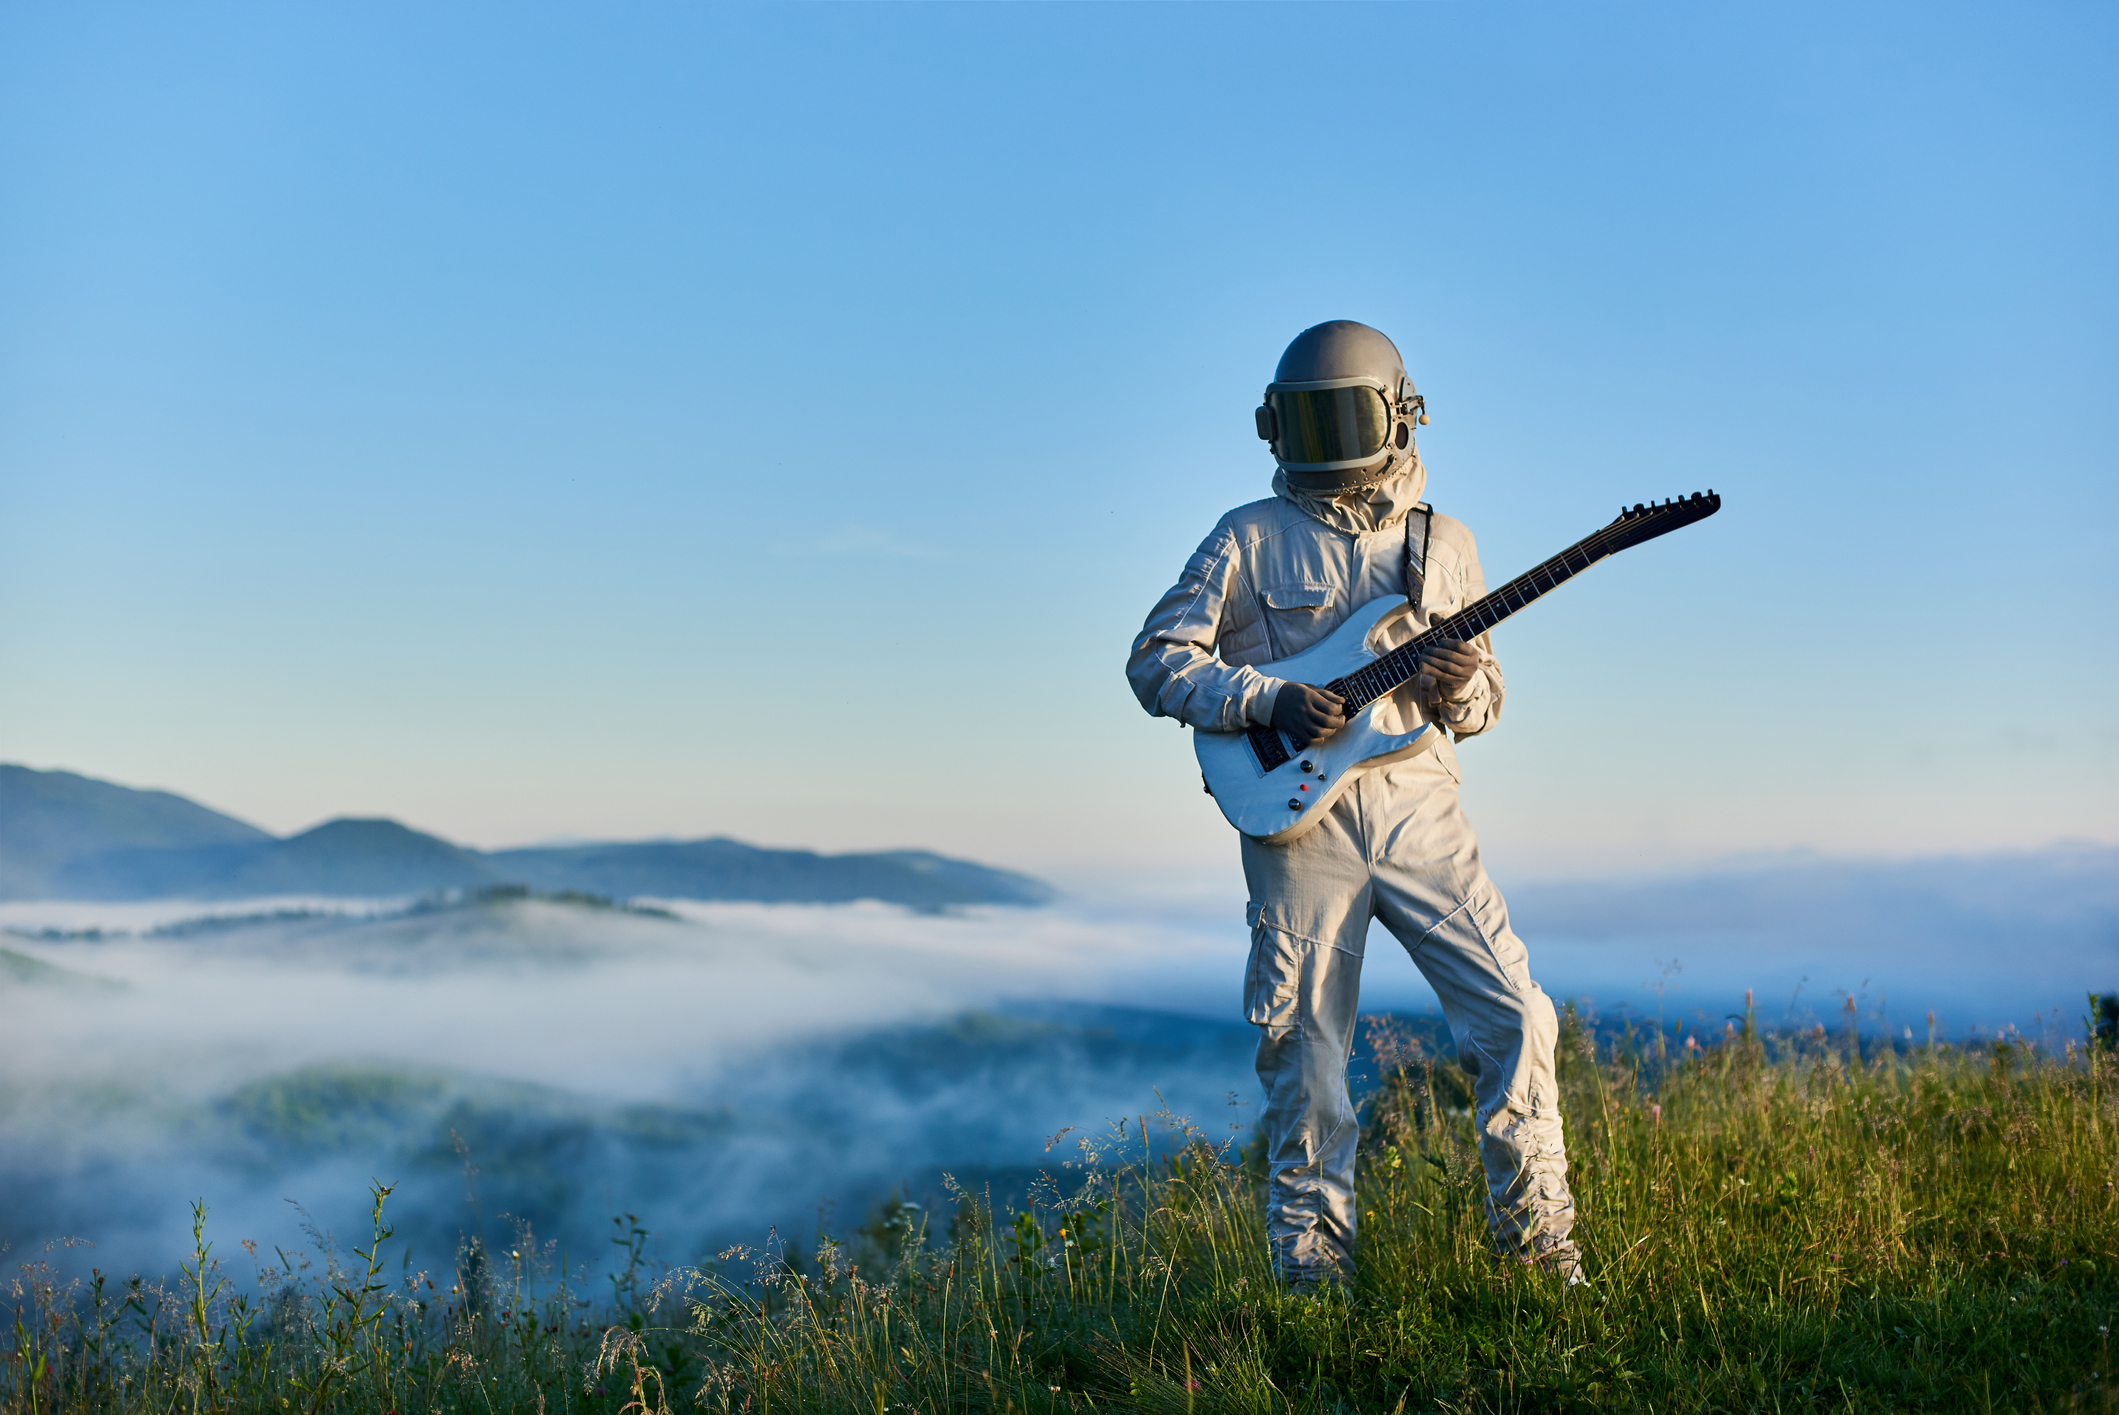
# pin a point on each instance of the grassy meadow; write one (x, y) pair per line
(1770, 1222)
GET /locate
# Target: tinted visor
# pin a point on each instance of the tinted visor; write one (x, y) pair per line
(1315, 425)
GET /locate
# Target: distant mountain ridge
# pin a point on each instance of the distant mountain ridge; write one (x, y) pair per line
(49, 818)
(65, 836)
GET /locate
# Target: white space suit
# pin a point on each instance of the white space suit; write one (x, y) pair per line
(1273, 578)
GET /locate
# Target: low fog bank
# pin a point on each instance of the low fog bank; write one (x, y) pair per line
(798, 1137)
(718, 1068)
(714, 1069)
(1985, 942)
(638, 1002)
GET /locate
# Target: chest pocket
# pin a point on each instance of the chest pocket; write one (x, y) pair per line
(1300, 595)
(1295, 611)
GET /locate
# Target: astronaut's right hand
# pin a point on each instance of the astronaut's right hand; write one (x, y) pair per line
(1305, 713)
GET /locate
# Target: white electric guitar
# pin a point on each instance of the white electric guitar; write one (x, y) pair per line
(1271, 792)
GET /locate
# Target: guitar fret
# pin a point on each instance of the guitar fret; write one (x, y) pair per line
(1256, 807)
(1383, 674)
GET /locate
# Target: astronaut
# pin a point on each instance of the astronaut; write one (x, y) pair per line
(1345, 525)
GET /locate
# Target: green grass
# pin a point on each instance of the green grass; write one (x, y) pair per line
(1773, 1224)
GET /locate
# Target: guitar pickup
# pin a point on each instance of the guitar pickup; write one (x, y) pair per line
(1267, 745)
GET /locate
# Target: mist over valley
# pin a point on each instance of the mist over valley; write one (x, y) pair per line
(804, 1035)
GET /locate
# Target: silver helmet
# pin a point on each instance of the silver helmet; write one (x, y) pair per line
(1339, 407)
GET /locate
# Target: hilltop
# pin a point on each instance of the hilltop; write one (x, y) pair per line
(51, 818)
(65, 836)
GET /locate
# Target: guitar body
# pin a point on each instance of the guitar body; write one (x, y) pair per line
(1278, 805)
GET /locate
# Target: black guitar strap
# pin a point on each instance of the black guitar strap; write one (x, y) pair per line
(1416, 575)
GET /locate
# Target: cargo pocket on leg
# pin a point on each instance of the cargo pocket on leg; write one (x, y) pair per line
(1272, 983)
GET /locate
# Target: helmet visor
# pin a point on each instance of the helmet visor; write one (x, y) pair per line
(1320, 427)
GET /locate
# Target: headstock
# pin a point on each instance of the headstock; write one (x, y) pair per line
(1647, 520)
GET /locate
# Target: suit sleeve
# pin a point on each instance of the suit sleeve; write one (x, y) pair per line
(1173, 668)
(1480, 707)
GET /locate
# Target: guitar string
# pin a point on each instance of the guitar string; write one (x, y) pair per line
(1369, 683)
(1594, 548)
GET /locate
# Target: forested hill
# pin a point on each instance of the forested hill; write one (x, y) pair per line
(64, 836)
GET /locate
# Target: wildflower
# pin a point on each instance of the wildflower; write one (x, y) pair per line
(1655, 1113)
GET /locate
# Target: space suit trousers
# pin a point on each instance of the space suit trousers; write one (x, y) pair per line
(1396, 847)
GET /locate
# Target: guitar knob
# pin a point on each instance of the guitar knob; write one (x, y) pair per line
(1293, 804)
(1306, 766)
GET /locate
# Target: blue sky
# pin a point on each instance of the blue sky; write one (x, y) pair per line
(536, 421)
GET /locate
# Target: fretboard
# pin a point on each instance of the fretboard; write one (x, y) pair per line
(1364, 686)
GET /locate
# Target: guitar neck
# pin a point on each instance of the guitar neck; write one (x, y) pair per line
(1363, 686)
(1398, 666)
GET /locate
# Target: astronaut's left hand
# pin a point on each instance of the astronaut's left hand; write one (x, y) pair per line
(1446, 672)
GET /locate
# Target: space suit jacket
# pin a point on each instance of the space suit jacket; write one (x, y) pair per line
(1278, 575)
